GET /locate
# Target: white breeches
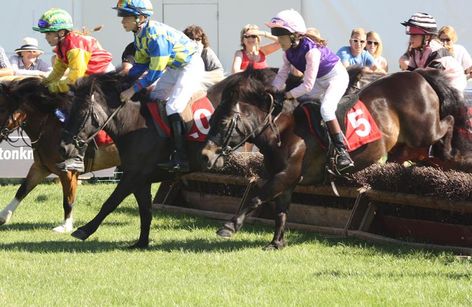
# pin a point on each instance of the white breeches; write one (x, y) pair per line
(178, 85)
(330, 89)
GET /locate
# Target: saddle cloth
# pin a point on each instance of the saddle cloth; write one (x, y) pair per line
(354, 118)
(196, 116)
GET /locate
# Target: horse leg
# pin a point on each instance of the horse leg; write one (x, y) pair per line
(69, 192)
(124, 188)
(282, 182)
(232, 226)
(445, 132)
(282, 204)
(35, 175)
(144, 198)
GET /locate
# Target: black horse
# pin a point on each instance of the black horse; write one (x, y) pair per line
(96, 106)
(411, 109)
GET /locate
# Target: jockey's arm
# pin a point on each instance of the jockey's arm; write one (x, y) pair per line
(58, 70)
(313, 58)
(159, 54)
(78, 61)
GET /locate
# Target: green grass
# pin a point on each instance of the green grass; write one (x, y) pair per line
(187, 264)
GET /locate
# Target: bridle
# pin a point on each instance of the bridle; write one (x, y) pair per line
(20, 125)
(269, 121)
(79, 142)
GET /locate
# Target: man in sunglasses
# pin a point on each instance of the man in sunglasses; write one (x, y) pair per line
(355, 53)
(171, 61)
(426, 51)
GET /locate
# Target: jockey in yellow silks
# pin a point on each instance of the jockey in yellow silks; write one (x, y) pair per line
(172, 63)
(79, 53)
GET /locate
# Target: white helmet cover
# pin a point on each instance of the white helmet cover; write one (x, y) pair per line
(290, 20)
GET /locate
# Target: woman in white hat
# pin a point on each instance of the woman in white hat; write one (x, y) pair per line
(26, 61)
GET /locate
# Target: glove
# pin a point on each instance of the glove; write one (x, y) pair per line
(60, 86)
(279, 99)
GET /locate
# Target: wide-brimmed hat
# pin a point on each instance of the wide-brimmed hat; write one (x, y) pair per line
(29, 44)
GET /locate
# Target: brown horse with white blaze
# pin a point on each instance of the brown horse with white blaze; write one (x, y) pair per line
(411, 109)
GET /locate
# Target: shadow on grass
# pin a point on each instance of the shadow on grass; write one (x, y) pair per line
(293, 237)
(95, 246)
(376, 275)
(27, 226)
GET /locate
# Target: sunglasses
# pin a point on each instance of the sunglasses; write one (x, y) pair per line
(356, 41)
(250, 36)
(372, 43)
(445, 40)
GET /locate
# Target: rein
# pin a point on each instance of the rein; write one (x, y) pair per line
(5, 132)
(269, 121)
(77, 140)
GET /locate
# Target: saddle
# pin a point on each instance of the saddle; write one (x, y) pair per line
(196, 116)
(353, 116)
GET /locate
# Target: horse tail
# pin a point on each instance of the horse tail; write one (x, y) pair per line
(451, 100)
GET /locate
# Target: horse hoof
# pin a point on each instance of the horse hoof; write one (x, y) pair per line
(5, 217)
(225, 232)
(275, 246)
(139, 245)
(80, 234)
(62, 229)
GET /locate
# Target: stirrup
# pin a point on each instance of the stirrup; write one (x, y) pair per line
(73, 164)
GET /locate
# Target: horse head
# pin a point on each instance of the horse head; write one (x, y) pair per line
(11, 117)
(245, 111)
(96, 101)
(26, 103)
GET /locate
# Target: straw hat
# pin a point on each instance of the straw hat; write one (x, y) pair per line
(29, 44)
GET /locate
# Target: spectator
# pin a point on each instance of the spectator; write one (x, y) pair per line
(251, 51)
(375, 47)
(426, 51)
(448, 36)
(213, 68)
(5, 66)
(355, 54)
(26, 61)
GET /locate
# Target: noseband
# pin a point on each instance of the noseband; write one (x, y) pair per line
(269, 121)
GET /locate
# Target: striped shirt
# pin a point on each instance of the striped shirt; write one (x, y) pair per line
(159, 46)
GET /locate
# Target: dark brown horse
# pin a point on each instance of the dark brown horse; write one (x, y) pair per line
(97, 106)
(412, 110)
(28, 105)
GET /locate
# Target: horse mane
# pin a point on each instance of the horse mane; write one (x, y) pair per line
(32, 92)
(108, 85)
(452, 101)
(360, 76)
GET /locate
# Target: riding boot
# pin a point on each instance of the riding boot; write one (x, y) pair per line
(73, 164)
(342, 160)
(178, 162)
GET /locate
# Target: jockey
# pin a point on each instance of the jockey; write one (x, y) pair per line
(426, 51)
(79, 53)
(171, 61)
(325, 77)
